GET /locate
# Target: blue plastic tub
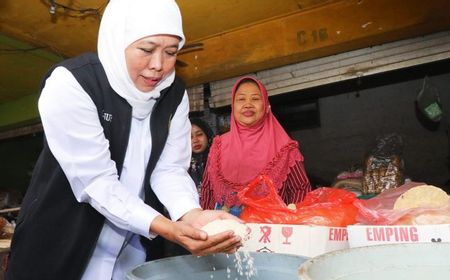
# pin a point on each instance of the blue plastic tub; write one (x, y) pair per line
(269, 266)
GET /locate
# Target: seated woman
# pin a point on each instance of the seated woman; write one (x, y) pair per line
(256, 144)
(201, 139)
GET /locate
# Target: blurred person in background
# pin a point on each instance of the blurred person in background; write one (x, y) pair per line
(201, 139)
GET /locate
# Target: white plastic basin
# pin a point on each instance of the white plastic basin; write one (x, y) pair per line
(421, 261)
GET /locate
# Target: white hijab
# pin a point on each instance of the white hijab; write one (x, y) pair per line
(124, 22)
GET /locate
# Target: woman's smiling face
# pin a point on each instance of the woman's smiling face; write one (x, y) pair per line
(151, 59)
(248, 105)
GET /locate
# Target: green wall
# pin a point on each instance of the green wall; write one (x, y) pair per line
(23, 67)
(19, 112)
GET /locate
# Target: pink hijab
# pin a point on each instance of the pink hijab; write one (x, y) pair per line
(243, 153)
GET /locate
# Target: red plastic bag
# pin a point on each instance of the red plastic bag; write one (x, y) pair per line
(324, 206)
(262, 204)
(328, 207)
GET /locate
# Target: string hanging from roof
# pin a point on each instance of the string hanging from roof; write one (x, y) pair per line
(55, 7)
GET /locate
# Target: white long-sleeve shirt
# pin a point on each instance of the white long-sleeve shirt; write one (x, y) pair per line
(76, 139)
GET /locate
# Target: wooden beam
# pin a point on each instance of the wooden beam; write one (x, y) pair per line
(326, 30)
(21, 131)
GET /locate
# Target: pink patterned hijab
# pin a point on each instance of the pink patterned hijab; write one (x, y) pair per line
(243, 153)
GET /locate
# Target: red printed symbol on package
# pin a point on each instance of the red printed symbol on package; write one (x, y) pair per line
(265, 230)
(287, 232)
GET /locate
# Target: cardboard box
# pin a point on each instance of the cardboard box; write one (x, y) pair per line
(303, 240)
(363, 235)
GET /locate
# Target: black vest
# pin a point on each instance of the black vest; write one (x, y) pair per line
(56, 235)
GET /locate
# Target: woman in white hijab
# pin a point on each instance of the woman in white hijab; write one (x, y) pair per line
(117, 145)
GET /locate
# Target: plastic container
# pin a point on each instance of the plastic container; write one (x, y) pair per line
(417, 261)
(269, 266)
